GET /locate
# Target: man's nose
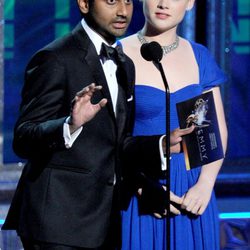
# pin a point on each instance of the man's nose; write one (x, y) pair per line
(122, 9)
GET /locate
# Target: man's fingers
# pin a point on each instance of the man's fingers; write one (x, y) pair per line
(173, 197)
(83, 92)
(174, 210)
(89, 90)
(157, 215)
(100, 105)
(186, 131)
(176, 199)
(103, 102)
(178, 133)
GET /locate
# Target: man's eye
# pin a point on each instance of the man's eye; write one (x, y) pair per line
(128, 1)
(111, 1)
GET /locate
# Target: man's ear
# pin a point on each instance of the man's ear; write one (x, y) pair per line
(190, 4)
(83, 6)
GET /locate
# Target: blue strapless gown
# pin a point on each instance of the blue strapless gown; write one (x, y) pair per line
(145, 232)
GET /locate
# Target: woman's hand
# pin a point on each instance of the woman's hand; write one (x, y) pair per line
(197, 198)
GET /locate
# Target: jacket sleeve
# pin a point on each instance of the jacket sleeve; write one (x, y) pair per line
(40, 124)
(142, 154)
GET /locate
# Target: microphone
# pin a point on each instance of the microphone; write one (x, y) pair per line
(152, 51)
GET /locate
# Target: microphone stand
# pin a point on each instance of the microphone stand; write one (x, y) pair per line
(153, 52)
(167, 96)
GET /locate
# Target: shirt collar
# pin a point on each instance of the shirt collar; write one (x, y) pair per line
(96, 39)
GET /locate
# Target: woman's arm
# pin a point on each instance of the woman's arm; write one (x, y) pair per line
(198, 197)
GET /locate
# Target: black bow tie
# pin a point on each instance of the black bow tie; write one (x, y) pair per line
(116, 54)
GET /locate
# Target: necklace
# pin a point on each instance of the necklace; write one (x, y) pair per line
(166, 49)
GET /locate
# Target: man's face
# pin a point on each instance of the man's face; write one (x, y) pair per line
(110, 18)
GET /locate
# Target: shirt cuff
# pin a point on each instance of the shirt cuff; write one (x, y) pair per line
(163, 158)
(69, 138)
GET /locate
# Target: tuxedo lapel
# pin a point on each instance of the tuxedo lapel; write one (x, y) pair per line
(98, 73)
(92, 59)
(127, 73)
(124, 80)
(121, 109)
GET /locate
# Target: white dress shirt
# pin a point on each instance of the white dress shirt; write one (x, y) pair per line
(109, 68)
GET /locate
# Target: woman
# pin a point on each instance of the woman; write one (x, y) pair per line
(190, 70)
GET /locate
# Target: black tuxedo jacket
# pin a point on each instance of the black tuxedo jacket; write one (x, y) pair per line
(65, 195)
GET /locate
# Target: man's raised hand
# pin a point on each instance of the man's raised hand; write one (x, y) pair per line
(82, 109)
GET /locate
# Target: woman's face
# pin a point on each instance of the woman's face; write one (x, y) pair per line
(163, 15)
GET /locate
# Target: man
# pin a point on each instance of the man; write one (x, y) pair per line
(73, 115)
